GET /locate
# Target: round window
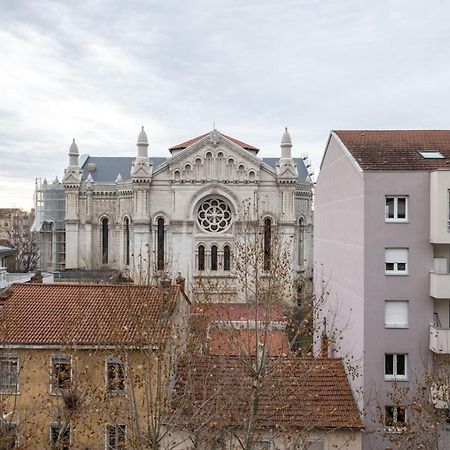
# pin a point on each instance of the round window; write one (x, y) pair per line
(214, 215)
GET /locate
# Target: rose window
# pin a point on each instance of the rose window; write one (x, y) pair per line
(214, 215)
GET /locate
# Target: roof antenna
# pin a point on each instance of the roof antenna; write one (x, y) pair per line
(214, 124)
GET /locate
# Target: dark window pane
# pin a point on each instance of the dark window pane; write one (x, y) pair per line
(105, 241)
(389, 364)
(401, 208)
(115, 376)
(214, 257)
(389, 208)
(389, 266)
(401, 365)
(401, 415)
(389, 416)
(127, 241)
(267, 242)
(226, 258)
(201, 257)
(401, 266)
(160, 256)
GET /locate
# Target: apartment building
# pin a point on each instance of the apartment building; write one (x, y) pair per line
(78, 362)
(382, 252)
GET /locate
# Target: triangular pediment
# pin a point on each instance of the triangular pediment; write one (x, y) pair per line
(214, 157)
(287, 171)
(141, 171)
(71, 178)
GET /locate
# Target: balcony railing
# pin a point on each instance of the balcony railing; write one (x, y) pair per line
(440, 340)
(440, 285)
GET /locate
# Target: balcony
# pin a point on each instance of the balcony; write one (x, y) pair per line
(440, 285)
(439, 201)
(440, 340)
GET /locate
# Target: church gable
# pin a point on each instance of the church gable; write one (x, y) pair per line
(215, 157)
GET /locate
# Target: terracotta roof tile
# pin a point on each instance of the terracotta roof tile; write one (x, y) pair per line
(196, 139)
(84, 314)
(396, 149)
(296, 394)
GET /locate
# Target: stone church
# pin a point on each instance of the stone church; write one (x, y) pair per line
(146, 215)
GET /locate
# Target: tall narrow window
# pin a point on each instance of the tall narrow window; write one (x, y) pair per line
(214, 257)
(301, 241)
(127, 241)
(105, 231)
(226, 258)
(160, 244)
(267, 242)
(201, 257)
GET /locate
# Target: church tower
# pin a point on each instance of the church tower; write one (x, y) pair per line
(72, 182)
(141, 177)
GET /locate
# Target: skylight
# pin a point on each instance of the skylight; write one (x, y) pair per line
(431, 155)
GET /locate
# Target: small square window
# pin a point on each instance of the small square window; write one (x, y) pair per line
(394, 416)
(396, 261)
(395, 366)
(61, 372)
(396, 314)
(116, 437)
(9, 374)
(60, 436)
(396, 209)
(8, 432)
(115, 374)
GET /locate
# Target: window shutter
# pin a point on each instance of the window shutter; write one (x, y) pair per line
(396, 255)
(396, 313)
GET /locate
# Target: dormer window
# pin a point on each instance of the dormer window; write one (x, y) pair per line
(427, 154)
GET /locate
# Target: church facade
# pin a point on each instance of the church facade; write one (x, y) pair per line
(147, 215)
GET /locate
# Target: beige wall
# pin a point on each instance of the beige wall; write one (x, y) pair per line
(331, 439)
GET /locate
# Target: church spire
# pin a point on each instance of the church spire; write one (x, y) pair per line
(142, 167)
(286, 167)
(73, 154)
(142, 144)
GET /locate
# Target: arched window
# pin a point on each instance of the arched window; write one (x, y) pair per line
(187, 172)
(160, 244)
(105, 238)
(301, 241)
(220, 155)
(127, 240)
(226, 258)
(176, 175)
(267, 242)
(214, 257)
(208, 155)
(201, 257)
(251, 175)
(241, 171)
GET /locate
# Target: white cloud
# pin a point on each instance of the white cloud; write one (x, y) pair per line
(97, 70)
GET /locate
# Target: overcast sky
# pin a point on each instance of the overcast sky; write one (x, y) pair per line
(98, 70)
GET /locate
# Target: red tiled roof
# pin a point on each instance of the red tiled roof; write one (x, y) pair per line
(46, 314)
(296, 393)
(196, 139)
(396, 149)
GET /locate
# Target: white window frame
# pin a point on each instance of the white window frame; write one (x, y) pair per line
(114, 360)
(52, 389)
(396, 260)
(7, 358)
(115, 425)
(395, 426)
(394, 325)
(395, 376)
(59, 425)
(396, 219)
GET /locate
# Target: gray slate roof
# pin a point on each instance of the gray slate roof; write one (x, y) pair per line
(108, 167)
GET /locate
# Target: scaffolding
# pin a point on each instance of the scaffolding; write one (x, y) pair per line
(50, 206)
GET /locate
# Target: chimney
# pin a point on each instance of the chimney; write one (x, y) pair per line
(324, 341)
(37, 277)
(180, 281)
(165, 284)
